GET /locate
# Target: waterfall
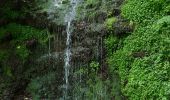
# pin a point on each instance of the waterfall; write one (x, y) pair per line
(69, 17)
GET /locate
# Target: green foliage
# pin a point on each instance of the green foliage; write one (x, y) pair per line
(97, 89)
(143, 11)
(92, 2)
(43, 87)
(7, 71)
(109, 22)
(15, 52)
(90, 85)
(167, 10)
(111, 44)
(91, 9)
(149, 79)
(8, 13)
(154, 40)
(94, 66)
(22, 52)
(93, 88)
(142, 60)
(21, 33)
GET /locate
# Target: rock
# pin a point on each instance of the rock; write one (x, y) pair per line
(81, 54)
(139, 54)
(100, 17)
(31, 44)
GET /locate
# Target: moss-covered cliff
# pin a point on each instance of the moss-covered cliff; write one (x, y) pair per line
(120, 50)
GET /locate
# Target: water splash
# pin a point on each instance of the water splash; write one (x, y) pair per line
(58, 3)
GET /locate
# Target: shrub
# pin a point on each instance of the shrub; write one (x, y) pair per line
(145, 77)
(43, 87)
(143, 60)
(109, 22)
(111, 44)
(143, 11)
(22, 33)
(94, 66)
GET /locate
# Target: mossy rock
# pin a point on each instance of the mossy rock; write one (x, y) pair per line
(109, 22)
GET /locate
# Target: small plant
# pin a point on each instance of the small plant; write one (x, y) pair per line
(111, 44)
(43, 87)
(109, 22)
(97, 89)
(94, 66)
(22, 52)
(92, 2)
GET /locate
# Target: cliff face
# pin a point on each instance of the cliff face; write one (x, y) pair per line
(34, 41)
(34, 57)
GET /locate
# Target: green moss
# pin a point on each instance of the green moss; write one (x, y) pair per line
(109, 22)
(22, 33)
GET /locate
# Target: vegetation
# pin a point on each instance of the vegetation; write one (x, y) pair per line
(43, 87)
(143, 62)
(109, 22)
(120, 50)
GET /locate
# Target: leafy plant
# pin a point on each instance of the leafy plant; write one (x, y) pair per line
(111, 44)
(22, 52)
(142, 62)
(109, 22)
(43, 87)
(94, 66)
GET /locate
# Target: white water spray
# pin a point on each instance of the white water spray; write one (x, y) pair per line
(69, 17)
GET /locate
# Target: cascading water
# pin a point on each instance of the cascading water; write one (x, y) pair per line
(69, 17)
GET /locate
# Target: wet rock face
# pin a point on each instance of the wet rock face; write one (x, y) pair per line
(100, 17)
(81, 54)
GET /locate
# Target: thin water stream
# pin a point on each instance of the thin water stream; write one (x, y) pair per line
(69, 17)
